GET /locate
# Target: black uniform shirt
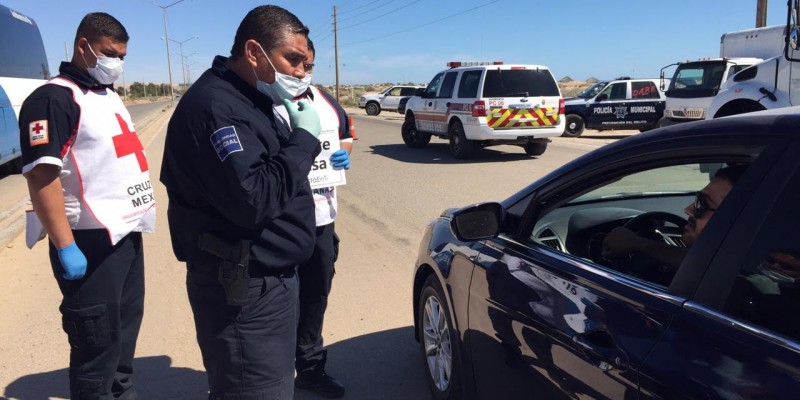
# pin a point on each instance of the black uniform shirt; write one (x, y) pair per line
(233, 168)
(55, 105)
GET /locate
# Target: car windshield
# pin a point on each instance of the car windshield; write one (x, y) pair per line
(592, 91)
(519, 82)
(697, 77)
(676, 179)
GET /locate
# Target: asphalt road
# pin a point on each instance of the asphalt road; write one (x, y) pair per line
(392, 192)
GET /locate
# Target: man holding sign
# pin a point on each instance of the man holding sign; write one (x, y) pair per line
(316, 274)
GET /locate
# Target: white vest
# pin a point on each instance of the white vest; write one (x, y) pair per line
(105, 175)
(324, 198)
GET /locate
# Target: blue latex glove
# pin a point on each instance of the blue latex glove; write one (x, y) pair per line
(303, 116)
(73, 261)
(340, 159)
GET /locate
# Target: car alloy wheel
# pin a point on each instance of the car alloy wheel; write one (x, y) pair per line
(437, 343)
(373, 108)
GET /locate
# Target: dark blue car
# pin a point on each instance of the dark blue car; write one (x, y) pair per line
(521, 299)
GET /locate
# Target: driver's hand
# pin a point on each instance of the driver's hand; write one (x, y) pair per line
(620, 242)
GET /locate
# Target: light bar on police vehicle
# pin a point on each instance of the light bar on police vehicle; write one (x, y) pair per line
(456, 64)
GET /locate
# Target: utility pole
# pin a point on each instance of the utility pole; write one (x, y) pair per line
(166, 36)
(761, 13)
(336, 51)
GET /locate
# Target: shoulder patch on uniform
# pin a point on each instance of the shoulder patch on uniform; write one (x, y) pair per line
(37, 131)
(226, 141)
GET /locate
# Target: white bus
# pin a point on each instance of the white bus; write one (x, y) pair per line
(23, 68)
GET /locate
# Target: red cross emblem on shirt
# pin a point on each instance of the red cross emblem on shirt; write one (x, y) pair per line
(128, 143)
(37, 128)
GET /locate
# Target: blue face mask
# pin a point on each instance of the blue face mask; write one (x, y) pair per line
(284, 87)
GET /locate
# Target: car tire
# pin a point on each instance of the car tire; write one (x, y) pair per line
(373, 108)
(574, 126)
(438, 342)
(411, 136)
(535, 148)
(460, 146)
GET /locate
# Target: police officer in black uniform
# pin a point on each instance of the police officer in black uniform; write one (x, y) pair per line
(241, 212)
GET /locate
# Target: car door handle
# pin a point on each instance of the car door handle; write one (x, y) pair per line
(598, 347)
(430, 104)
(448, 104)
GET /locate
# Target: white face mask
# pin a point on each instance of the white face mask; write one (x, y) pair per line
(284, 87)
(107, 70)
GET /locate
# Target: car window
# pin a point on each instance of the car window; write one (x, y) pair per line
(433, 87)
(644, 90)
(616, 91)
(653, 206)
(734, 69)
(395, 91)
(448, 84)
(519, 82)
(468, 87)
(767, 289)
(407, 91)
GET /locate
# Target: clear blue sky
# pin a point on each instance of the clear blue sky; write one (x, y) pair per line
(409, 40)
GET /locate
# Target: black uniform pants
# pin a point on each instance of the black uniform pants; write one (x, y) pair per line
(247, 351)
(101, 314)
(316, 276)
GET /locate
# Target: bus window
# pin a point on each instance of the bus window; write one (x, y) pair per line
(23, 68)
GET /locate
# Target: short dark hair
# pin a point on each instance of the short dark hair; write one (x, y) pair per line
(731, 172)
(99, 24)
(311, 47)
(269, 26)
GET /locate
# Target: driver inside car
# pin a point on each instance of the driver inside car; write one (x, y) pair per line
(621, 242)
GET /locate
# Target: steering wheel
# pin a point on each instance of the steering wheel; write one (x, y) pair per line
(653, 226)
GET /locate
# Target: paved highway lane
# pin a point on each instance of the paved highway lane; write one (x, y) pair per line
(392, 192)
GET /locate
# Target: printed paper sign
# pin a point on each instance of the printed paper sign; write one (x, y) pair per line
(322, 173)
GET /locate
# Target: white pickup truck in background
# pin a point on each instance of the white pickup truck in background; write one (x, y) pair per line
(374, 103)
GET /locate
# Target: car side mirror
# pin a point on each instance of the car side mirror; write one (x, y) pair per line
(425, 95)
(478, 221)
(601, 97)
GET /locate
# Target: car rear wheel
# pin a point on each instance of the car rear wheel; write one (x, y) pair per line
(412, 137)
(460, 146)
(373, 108)
(574, 126)
(535, 148)
(438, 342)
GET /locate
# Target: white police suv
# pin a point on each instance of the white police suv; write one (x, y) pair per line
(480, 104)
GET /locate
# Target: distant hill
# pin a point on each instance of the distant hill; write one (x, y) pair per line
(565, 79)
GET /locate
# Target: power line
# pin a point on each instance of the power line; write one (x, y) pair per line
(320, 26)
(379, 16)
(426, 24)
(360, 7)
(368, 11)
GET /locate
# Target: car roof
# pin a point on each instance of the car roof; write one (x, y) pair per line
(780, 123)
(501, 67)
